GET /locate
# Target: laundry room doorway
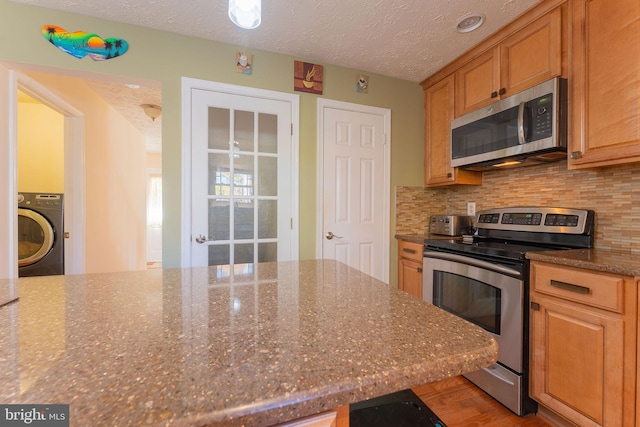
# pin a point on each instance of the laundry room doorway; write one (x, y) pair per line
(40, 170)
(105, 179)
(49, 159)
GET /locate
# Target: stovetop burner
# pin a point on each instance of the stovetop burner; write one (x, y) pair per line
(509, 233)
(511, 250)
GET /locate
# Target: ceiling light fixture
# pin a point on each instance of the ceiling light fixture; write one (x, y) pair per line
(152, 111)
(245, 14)
(469, 23)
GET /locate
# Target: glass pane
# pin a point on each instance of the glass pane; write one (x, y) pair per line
(219, 125)
(267, 176)
(243, 182)
(219, 175)
(30, 237)
(219, 255)
(267, 133)
(267, 219)
(219, 223)
(243, 220)
(243, 253)
(267, 252)
(243, 130)
(475, 301)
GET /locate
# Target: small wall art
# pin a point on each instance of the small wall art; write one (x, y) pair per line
(80, 44)
(243, 62)
(362, 83)
(307, 77)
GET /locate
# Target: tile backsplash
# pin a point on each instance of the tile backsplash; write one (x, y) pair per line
(614, 194)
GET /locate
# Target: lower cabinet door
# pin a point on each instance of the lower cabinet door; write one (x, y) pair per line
(577, 360)
(410, 277)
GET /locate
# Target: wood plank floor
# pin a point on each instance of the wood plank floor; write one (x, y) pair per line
(459, 403)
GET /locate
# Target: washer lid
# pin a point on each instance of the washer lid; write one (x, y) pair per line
(36, 237)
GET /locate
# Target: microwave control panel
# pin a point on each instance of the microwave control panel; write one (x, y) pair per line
(542, 115)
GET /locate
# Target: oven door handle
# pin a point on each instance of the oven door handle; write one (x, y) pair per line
(472, 261)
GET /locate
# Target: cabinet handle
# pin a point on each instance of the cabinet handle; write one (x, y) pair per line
(419, 270)
(449, 175)
(535, 306)
(409, 251)
(576, 154)
(494, 94)
(502, 91)
(569, 287)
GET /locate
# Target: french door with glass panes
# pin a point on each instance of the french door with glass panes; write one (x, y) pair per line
(242, 175)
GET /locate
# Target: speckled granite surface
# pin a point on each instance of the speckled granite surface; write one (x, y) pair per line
(420, 238)
(202, 347)
(609, 261)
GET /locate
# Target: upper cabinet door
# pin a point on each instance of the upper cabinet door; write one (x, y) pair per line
(438, 104)
(605, 83)
(530, 56)
(478, 82)
(438, 113)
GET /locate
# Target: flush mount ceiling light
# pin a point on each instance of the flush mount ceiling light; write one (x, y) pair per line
(469, 23)
(152, 111)
(245, 14)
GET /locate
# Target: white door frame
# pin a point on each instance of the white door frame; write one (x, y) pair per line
(150, 172)
(74, 184)
(189, 84)
(358, 108)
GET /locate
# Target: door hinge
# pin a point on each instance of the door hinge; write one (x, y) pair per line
(291, 129)
(291, 223)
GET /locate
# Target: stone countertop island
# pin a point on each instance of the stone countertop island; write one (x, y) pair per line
(257, 346)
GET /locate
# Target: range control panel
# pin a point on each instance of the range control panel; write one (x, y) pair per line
(537, 219)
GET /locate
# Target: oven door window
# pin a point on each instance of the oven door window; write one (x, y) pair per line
(470, 299)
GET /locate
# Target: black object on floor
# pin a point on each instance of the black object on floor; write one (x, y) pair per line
(401, 409)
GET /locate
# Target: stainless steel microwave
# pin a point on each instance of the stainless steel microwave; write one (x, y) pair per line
(528, 126)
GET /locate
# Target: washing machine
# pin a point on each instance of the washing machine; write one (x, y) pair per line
(40, 234)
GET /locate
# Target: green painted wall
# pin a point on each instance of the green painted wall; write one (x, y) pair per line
(166, 57)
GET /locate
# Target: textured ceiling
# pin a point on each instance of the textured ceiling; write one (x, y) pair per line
(406, 39)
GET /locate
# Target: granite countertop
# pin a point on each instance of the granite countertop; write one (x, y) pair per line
(205, 347)
(605, 260)
(421, 237)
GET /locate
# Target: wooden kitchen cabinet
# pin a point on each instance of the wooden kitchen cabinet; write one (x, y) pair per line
(438, 110)
(605, 83)
(410, 267)
(530, 56)
(583, 344)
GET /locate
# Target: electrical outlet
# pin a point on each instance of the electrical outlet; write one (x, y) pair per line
(471, 208)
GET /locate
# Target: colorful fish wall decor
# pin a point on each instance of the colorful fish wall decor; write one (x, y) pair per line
(81, 44)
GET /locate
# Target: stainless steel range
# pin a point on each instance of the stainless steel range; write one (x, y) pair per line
(484, 279)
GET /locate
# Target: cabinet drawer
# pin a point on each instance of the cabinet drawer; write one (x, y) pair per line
(410, 250)
(595, 289)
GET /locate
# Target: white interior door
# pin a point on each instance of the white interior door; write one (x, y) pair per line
(242, 180)
(355, 186)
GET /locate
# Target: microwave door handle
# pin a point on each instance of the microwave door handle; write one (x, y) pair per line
(521, 139)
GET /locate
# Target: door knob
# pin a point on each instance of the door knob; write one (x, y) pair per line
(330, 236)
(201, 238)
